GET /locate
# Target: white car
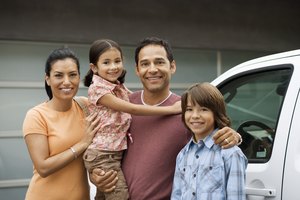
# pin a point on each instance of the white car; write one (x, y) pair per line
(262, 97)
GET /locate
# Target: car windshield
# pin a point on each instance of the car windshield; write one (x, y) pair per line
(254, 102)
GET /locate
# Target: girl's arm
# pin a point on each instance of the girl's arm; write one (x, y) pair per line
(115, 103)
(45, 164)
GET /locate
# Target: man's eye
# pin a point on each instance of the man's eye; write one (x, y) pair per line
(160, 62)
(144, 64)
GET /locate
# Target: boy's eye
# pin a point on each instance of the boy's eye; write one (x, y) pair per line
(204, 109)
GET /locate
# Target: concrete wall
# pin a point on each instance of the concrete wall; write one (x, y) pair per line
(268, 25)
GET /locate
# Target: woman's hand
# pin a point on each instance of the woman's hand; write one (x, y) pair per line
(92, 125)
(105, 182)
(227, 137)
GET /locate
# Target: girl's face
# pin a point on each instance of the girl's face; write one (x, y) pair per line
(109, 65)
(64, 79)
(200, 120)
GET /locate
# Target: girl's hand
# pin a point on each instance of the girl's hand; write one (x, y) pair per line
(177, 107)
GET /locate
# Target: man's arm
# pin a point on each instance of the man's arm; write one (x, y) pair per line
(227, 137)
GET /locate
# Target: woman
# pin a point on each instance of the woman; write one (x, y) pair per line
(56, 134)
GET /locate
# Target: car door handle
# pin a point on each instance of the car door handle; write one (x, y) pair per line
(261, 192)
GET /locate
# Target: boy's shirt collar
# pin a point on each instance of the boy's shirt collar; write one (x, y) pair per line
(207, 141)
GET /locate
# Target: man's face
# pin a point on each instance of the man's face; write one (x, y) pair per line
(154, 69)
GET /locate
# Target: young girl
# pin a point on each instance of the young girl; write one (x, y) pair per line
(203, 169)
(109, 98)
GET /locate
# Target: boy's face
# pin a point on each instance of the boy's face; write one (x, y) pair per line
(154, 69)
(200, 120)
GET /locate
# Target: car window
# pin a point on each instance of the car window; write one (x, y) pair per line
(254, 102)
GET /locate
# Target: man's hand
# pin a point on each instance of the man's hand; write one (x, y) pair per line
(105, 182)
(227, 137)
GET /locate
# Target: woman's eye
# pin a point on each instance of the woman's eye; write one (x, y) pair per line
(73, 75)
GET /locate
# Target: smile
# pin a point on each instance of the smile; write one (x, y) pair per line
(154, 78)
(66, 89)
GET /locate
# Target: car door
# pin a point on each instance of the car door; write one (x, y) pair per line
(291, 181)
(259, 108)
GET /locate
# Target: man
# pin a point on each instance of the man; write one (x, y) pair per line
(149, 161)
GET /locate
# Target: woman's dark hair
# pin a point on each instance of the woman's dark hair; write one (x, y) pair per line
(99, 47)
(55, 55)
(206, 95)
(154, 41)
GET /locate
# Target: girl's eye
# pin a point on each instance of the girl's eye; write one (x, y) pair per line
(58, 75)
(189, 109)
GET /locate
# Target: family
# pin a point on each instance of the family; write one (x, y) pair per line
(145, 145)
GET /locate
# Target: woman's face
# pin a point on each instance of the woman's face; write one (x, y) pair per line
(64, 79)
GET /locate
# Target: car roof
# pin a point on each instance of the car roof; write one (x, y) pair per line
(249, 65)
(268, 58)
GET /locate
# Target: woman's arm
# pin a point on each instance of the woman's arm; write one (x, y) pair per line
(45, 164)
(118, 104)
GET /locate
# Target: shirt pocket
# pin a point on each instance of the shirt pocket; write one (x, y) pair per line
(185, 173)
(211, 178)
